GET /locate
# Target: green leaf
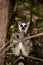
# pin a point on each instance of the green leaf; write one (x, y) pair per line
(12, 26)
(17, 19)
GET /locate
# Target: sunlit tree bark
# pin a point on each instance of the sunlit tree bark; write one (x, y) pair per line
(3, 26)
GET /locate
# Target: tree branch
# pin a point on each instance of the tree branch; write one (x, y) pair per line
(17, 41)
(34, 36)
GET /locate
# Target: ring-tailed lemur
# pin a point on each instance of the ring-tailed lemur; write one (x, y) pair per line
(22, 49)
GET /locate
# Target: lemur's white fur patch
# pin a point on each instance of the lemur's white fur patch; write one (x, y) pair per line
(23, 24)
(20, 45)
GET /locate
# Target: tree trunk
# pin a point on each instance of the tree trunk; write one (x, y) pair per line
(3, 25)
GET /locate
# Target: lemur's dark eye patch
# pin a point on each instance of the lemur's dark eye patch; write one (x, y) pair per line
(25, 26)
(21, 25)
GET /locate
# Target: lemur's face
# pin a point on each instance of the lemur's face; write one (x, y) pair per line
(23, 26)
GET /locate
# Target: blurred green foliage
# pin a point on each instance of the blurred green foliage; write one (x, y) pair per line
(17, 18)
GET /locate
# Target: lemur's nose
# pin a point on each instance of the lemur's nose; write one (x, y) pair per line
(23, 28)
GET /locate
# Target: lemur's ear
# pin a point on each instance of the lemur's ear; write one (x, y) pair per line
(18, 22)
(28, 23)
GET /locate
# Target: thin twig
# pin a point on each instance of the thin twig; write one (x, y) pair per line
(36, 58)
(17, 41)
(29, 57)
(1, 48)
(5, 49)
(34, 36)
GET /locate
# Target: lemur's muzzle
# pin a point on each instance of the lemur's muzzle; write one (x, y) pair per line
(23, 28)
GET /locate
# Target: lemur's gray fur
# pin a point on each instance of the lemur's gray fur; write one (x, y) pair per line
(25, 47)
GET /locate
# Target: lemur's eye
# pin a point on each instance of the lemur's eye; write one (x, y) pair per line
(21, 25)
(25, 26)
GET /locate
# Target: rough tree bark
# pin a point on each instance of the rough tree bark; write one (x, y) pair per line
(3, 25)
